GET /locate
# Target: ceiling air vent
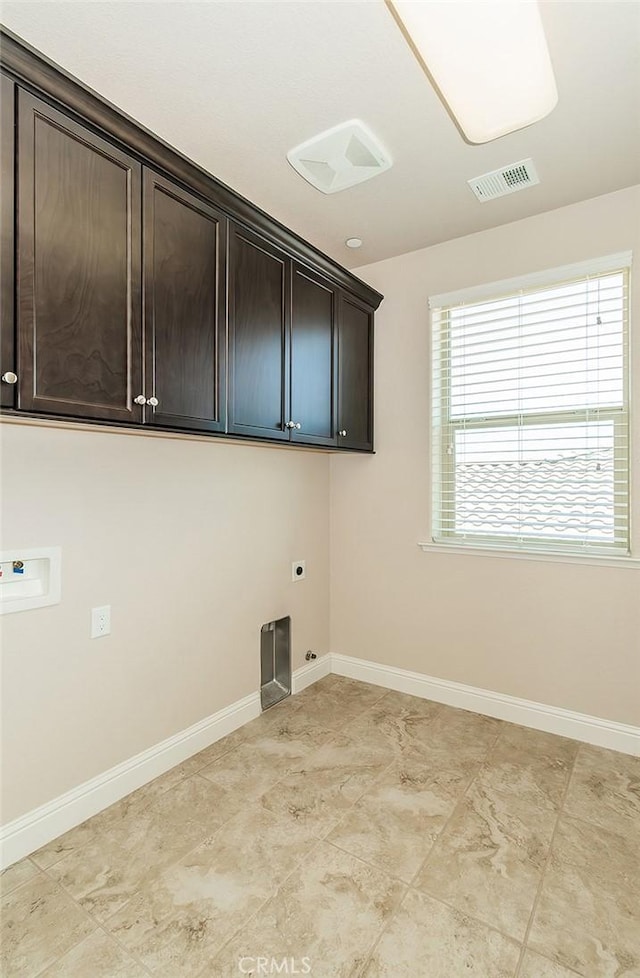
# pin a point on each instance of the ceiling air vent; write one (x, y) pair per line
(340, 157)
(506, 180)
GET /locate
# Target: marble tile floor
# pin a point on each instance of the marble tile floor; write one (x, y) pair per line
(349, 832)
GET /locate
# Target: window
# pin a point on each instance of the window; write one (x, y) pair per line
(531, 413)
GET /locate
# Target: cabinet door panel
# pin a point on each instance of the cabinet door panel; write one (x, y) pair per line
(355, 373)
(184, 264)
(79, 269)
(7, 243)
(258, 337)
(313, 359)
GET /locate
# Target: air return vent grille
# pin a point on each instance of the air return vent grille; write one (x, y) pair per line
(506, 180)
(340, 157)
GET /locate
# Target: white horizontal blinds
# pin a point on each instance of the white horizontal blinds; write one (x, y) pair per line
(531, 417)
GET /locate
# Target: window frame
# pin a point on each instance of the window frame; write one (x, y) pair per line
(444, 427)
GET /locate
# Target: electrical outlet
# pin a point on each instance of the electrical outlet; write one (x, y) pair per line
(101, 621)
(298, 570)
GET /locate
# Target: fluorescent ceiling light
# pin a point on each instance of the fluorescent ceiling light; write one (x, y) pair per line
(489, 60)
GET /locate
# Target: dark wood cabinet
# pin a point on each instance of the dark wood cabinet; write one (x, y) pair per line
(137, 289)
(8, 366)
(259, 337)
(184, 248)
(355, 373)
(282, 345)
(313, 358)
(78, 284)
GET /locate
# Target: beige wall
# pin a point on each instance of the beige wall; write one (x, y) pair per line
(191, 543)
(560, 634)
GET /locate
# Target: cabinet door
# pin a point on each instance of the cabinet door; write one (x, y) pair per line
(184, 243)
(259, 286)
(79, 303)
(313, 359)
(7, 259)
(355, 376)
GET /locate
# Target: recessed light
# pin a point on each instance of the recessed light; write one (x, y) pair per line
(353, 242)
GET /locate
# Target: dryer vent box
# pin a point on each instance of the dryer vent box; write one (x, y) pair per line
(340, 157)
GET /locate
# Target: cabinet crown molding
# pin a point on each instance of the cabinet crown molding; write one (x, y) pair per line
(48, 80)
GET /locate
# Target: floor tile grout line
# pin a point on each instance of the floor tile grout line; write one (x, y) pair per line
(101, 833)
(536, 899)
(458, 803)
(164, 869)
(102, 925)
(381, 933)
(245, 923)
(469, 916)
(317, 840)
(349, 808)
(189, 777)
(463, 913)
(97, 925)
(330, 733)
(184, 778)
(275, 889)
(400, 756)
(570, 971)
(410, 887)
(367, 862)
(587, 821)
(314, 840)
(197, 846)
(289, 773)
(19, 886)
(127, 950)
(492, 747)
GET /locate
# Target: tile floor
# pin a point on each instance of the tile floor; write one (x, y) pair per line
(354, 832)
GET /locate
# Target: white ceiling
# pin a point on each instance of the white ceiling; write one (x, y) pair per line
(234, 85)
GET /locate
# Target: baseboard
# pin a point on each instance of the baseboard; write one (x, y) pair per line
(311, 673)
(579, 726)
(40, 826)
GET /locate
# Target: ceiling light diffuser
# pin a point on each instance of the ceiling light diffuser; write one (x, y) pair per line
(490, 61)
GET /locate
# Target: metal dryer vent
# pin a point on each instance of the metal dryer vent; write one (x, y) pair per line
(275, 661)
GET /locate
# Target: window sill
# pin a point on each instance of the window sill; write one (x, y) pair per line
(607, 560)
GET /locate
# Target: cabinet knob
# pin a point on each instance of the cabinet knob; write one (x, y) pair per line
(290, 424)
(297, 425)
(140, 399)
(9, 377)
(153, 401)
(343, 433)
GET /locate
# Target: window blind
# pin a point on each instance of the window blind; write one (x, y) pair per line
(531, 416)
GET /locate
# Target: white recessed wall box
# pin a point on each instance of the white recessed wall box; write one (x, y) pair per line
(29, 578)
(340, 157)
